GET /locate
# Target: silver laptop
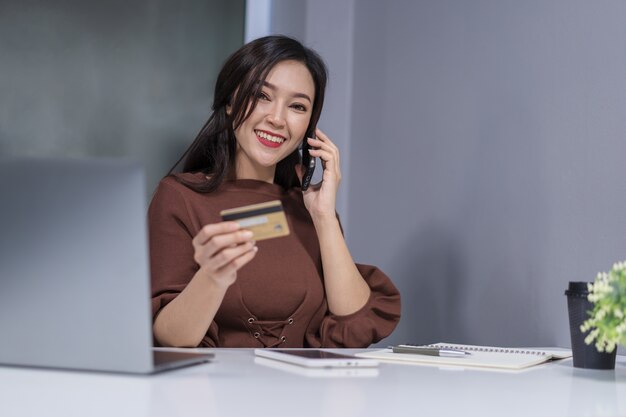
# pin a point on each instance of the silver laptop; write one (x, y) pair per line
(74, 280)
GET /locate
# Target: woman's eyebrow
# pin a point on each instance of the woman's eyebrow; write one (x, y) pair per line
(296, 94)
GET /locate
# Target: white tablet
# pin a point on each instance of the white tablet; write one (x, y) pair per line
(315, 358)
(335, 372)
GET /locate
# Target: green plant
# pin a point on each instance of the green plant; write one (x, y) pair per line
(607, 321)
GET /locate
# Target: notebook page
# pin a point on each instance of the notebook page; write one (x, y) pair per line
(553, 353)
(480, 357)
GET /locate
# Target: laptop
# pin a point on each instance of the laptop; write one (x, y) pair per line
(74, 274)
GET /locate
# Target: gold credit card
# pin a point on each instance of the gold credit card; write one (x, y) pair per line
(265, 220)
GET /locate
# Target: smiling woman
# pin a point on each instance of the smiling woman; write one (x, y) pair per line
(212, 285)
(241, 84)
(278, 122)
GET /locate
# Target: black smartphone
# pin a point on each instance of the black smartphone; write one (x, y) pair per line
(307, 161)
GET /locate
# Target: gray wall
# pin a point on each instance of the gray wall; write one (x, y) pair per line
(114, 78)
(488, 170)
(485, 147)
(288, 17)
(328, 27)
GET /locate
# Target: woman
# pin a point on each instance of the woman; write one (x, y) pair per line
(212, 285)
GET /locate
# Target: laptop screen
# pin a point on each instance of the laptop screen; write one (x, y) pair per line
(74, 265)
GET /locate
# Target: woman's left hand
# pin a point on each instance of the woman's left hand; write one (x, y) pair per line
(320, 199)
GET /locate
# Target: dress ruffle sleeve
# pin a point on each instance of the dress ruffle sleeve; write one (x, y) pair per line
(373, 322)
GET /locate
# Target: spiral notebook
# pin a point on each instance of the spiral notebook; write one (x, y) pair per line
(480, 356)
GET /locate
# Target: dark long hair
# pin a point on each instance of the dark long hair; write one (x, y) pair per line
(213, 151)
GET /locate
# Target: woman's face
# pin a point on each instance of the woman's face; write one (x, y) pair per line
(278, 123)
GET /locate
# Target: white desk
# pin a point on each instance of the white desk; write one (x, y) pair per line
(235, 385)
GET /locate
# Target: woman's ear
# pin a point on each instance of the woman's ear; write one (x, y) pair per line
(229, 104)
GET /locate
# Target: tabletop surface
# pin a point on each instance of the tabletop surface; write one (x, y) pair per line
(236, 383)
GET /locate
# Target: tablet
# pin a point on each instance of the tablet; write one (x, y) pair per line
(315, 358)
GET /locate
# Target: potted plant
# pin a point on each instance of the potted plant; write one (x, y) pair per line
(607, 320)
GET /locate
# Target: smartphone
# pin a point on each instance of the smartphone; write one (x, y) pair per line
(315, 358)
(307, 161)
(335, 372)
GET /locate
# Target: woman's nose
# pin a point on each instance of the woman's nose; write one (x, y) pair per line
(276, 116)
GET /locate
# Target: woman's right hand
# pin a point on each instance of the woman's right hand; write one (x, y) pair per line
(221, 249)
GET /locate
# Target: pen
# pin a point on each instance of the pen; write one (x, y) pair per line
(432, 351)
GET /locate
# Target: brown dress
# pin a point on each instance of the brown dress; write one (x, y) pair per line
(278, 299)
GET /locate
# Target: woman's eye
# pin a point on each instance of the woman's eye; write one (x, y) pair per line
(298, 107)
(262, 96)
